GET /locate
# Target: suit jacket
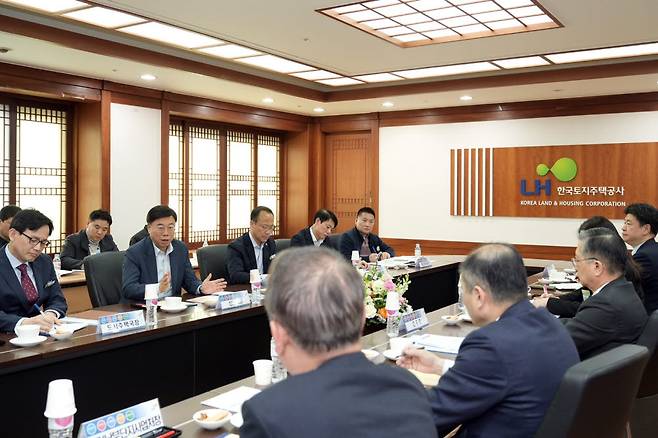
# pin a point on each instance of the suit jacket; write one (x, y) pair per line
(303, 238)
(567, 305)
(140, 235)
(613, 316)
(76, 248)
(347, 396)
(352, 241)
(3, 242)
(647, 257)
(502, 384)
(139, 269)
(13, 302)
(241, 258)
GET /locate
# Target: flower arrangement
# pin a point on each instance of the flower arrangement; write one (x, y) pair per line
(378, 283)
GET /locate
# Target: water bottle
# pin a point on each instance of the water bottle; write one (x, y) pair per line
(279, 372)
(460, 298)
(60, 427)
(417, 252)
(392, 314)
(151, 301)
(57, 263)
(356, 259)
(255, 280)
(205, 243)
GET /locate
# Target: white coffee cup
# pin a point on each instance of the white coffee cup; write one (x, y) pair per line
(254, 276)
(399, 344)
(263, 372)
(60, 402)
(27, 331)
(173, 302)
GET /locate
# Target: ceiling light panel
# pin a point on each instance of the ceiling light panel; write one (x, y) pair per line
(418, 22)
(52, 6)
(104, 17)
(528, 61)
(230, 51)
(608, 53)
(378, 77)
(340, 82)
(171, 35)
(315, 75)
(271, 62)
(447, 70)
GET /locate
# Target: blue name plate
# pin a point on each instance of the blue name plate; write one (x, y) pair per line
(230, 300)
(133, 421)
(413, 321)
(121, 322)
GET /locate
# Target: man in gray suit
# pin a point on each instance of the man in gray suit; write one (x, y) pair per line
(315, 305)
(614, 314)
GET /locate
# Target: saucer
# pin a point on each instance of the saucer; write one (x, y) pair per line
(174, 309)
(209, 423)
(465, 317)
(392, 354)
(237, 420)
(451, 319)
(28, 342)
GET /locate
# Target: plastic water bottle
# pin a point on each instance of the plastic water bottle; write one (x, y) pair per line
(256, 283)
(460, 298)
(60, 427)
(279, 372)
(355, 259)
(57, 263)
(392, 314)
(151, 301)
(417, 252)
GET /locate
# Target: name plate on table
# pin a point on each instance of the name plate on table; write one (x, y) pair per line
(136, 420)
(230, 300)
(413, 321)
(121, 322)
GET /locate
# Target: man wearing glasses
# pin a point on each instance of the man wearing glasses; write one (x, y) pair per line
(162, 262)
(254, 249)
(614, 314)
(28, 282)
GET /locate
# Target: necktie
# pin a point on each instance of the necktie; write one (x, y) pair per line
(365, 248)
(28, 287)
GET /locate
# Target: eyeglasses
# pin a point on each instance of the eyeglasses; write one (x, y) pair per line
(265, 227)
(575, 260)
(34, 242)
(162, 228)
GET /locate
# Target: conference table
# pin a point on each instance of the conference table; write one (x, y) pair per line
(185, 355)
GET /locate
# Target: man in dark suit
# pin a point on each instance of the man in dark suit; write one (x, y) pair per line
(315, 306)
(614, 314)
(161, 262)
(507, 372)
(639, 231)
(319, 233)
(138, 236)
(28, 282)
(371, 248)
(6, 215)
(254, 249)
(93, 239)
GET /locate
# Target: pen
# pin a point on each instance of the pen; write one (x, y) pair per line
(38, 309)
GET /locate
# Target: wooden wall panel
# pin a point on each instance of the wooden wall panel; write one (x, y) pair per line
(88, 155)
(445, 247)
(297, 170)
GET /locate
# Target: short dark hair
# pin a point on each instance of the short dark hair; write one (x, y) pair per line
(255, 213)
(158, 212)
(597, 222)
(317, 297)
(605, 246)
(365, 210)
(8, 212)
(645, 214)
(497, 268)
(324, 215)
(102, 215)
(31, 219)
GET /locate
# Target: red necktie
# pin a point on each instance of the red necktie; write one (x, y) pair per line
(30, 291)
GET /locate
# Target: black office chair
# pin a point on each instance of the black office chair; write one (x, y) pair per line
(282, 244)
(103, 272)
(212, 260)
(644, 422)
(595, 396)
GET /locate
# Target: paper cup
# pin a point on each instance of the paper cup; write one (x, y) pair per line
(355, 256)
(254, 276)
(173, 302)
(263, 372)
(60, 402)
(27, 331)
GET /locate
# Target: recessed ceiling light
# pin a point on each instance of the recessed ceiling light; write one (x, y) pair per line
(466, 97)
(528, 61)
(612, 52)
(104, 17)
(268, 100)
(271, 62)
(447, 70)
(339, 81)
(315, 75)
(147, 77)
(230, 51)
(50, 5)
(318, 109)
(171, 35)
(388, 104)
(378, 77)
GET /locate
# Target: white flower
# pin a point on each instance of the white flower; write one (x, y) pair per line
(378, 285)
(370, 310)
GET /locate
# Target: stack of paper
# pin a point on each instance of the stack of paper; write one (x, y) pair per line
(438, 343)
(231, 400)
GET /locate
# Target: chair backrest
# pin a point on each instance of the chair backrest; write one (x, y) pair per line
(649, 339)
(282, 244)
(212, 260)
(596, 395)
(104, 277)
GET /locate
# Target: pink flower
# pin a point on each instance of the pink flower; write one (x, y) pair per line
(389, 285)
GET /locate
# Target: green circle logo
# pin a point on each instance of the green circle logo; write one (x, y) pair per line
(564, 169)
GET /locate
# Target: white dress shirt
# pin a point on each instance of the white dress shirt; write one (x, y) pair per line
(316, 242)
(163, 265)
(258, 252)
(635, 248)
